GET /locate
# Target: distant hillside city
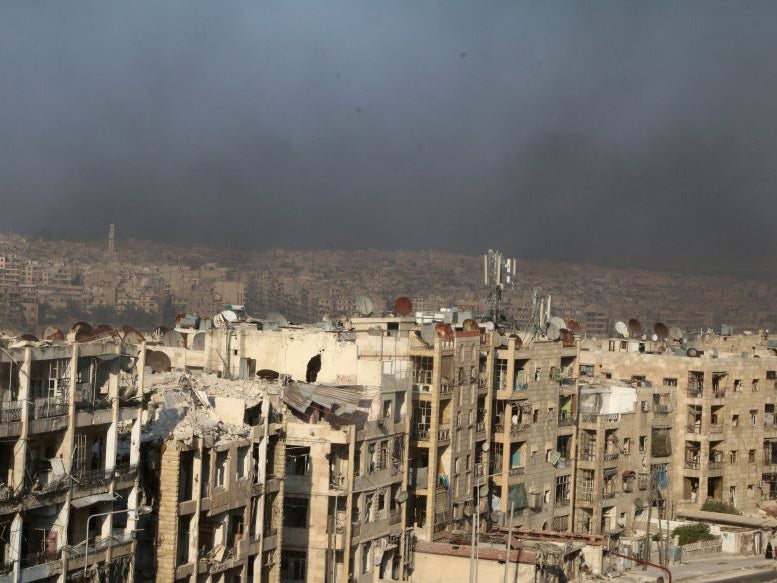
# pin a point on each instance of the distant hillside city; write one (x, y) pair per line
(142, 283)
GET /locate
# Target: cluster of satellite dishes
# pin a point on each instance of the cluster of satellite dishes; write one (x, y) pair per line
(633, 329)
(84, 332)
(403, 306)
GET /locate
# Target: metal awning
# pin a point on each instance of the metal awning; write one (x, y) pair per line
(93, 499)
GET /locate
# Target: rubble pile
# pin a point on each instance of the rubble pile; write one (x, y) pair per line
(182, 406)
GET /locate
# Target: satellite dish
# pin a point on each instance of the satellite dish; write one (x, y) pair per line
(573, 326)
(51, 333)
(279, 319)
(621, 328)
(661, 330)
(692, 352)
(364, 305)
(28, 337)
(485, 446)
(230, 316)
(558, 322)
(403, 306)
(675, 333)
(444, 331)
(469, 325)
(401, 496)
(427, 333)
(553, 332)
(654, 337)
(635, 327)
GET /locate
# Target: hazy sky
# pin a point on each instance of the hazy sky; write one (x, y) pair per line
(610, 132)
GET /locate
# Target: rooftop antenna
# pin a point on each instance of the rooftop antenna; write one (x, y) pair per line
(498, 275)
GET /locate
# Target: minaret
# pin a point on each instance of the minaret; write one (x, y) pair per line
(111, 239)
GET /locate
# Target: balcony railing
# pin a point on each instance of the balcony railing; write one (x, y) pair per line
(693, 428)
(517, 471)
(692, 465)
(50, 409)
(695, 393)
(40, 558)
(480, 427)
(566, 419)
(608, 457)
(395, 516)
(588, 456)
(716, 428)
(444, 433)
(421, 433)
(719, 393)
(85, 478)
(608, 495)
(716, 465)
(11, 412)
(589, 418)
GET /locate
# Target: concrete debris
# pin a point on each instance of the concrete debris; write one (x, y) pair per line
(184, 406)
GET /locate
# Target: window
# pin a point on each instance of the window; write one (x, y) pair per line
(546, 497)
(670, 382)
(732, 456)
(293, 565)
(295, 513)
(755, 385)
(642, 443)
(735, 420)
(737, 385)
(535, 415)
(371, 456)
(562, 489)
(626, 445)
(387, 408)
(751, 456)
(221, 469)
(242, 462)
(538, 373)
(297, 461)
(754, 417)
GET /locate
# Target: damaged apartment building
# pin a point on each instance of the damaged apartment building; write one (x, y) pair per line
(703, 434)
(395, 426)
(214, 452)
(344, 454)
(69, 453)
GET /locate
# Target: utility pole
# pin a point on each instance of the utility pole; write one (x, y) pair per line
(653, 498)
(508, 545)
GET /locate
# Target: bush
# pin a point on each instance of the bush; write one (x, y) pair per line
(692, 533)
(718, 506)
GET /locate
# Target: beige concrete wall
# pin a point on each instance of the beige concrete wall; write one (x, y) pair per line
(433, 568)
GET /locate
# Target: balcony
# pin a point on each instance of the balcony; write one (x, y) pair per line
(717, 428)
(692, 465)
(770, 425)
(49, 409)
(695, 393)
(716, 464)
(693, 428)
(395, 516)
(611, 457)
(719, 393)
(608, 495)
(444, 433)
(517, 472)
(446, 389)
(421, 433)
(88, 479)
(566, 420)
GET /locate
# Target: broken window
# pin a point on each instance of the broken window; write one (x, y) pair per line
(221, 469)
(314, 367)
(295, 512)
(242, 462)
(297, 461)
(293, 566)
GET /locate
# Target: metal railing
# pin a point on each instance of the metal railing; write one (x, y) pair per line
(517, 471)
(50, 409)
(84, 478)
(40, 558)
(692, 465)
(11, 412)
(608, 457)
(566, 419)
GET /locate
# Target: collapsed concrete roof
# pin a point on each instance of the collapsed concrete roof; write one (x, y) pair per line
(338, 404)
(183, 406)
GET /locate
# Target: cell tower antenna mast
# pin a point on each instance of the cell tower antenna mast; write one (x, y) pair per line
(498, 275)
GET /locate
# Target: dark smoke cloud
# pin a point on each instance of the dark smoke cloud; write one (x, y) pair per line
(612, 132)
